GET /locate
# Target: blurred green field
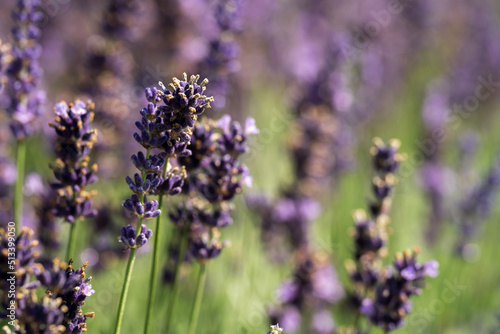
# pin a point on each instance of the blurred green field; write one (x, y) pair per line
(242, 281)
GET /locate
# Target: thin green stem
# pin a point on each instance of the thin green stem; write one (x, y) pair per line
(123, 297)
(154, 266)
(202, 275)
(130, 265)
(71, 243)
(177, 274)
(18, 189)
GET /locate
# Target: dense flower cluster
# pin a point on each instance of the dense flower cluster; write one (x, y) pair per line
(72, 287)
(166, 124)
(215, 177)
(370, 231)
(74, 141)
(22, 102)
(66, 289)
(390, 305)
(312, 289)
(382, 295)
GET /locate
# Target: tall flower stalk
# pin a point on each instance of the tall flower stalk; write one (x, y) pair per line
(382, 294)
(215, 177)
(183, 101)
(166, 127)
(22, 102)
(74, 141)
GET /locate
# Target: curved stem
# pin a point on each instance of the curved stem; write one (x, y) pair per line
(197, 300)
(123, 297)
(71, 243)
(18, 189)
(154, 266)
(177, 274)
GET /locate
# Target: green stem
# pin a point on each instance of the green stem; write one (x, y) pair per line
(130, 265)
(177, 274)
(197, 300)
(71, 244)
(123, 297)
(18, 189)
(154, 266)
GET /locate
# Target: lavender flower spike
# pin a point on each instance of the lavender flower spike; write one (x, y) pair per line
(391, 303)
(74, 141)
(22, 102)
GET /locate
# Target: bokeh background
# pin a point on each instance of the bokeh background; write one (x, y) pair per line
(416, 72)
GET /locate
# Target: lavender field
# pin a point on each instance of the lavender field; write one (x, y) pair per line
(235, 166)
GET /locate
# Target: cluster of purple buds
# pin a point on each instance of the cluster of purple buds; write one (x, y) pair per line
(166, 124)
(74, 141)
(386, 161)
(217, 181)
(215, 177)
(370, 231)
(72, 287)
(390, 303)
(131, 240)
(59, 310)
(314, 286)
(223, 50)
(21, 101)
(202, 147)
(138, 205)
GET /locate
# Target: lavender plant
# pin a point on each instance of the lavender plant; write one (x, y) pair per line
(390, 304)
(72, 288)
(382, 295)
(20, 98)
(215, 177)
(74, 141)
(66, 289)
(166, 127)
